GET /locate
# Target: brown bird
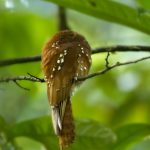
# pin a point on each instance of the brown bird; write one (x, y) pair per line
(65, 57)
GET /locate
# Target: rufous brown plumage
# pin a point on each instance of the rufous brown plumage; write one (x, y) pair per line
(65, 57)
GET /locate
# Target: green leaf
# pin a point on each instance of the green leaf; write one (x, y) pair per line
(93, 136)
(144, 3)
(39, 129)
(110, 11)
(2, 123)
(89, 134)
(129, 134)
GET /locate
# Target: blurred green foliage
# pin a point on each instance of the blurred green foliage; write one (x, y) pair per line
(116, 105)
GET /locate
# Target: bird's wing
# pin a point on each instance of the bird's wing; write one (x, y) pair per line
(59, 69)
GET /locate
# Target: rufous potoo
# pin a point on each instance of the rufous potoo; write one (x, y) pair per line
(65, 57)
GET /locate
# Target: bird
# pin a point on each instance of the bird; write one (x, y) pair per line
(65, 58)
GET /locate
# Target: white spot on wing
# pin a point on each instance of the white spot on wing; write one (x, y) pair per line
(57, 42)
(62, 60)
(59, 67)
(85, 68)
(53, 45)
(45, 78)
(58, 61)
(61, 55)
(65, 52)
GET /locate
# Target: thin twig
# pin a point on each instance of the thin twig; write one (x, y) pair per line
(19, 78)
(118, 64)
(94, 51)
(35, 79)
(21, 86)
(107, 59)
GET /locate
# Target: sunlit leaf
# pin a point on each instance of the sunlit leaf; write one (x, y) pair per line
(110, 11)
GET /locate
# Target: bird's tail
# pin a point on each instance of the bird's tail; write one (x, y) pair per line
(67, 134)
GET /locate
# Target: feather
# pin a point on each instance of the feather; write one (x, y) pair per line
(55, 119)
(64, 57)
(57, 116)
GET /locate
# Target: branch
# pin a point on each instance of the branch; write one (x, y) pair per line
(19, 60)
(36, 79)
(62, 19)
(122, 48)
(20, 78)
(118, 64)
(106, 59)
(94, 51)
(21, 86)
